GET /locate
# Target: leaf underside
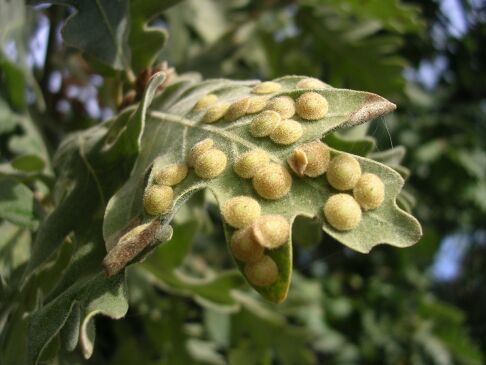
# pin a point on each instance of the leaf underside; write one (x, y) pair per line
(172, 128)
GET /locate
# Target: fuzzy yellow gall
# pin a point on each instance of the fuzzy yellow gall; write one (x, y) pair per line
(287, 132)
(311, 106)
(272, 181)
(249, 162)
(257, 104)
(205, 102)
(342, 212)
(271, 231)
(158, 199)
(215, 112)
(265, 123)
(198, 149)
(343, 172)
(237, 109)
(210, 164)
(240, 211)
(171, 175)
(264, 272)
(310, 83)
(310, 159)
(244, 246)
(267, 87)
(369, 192)
(283, 105)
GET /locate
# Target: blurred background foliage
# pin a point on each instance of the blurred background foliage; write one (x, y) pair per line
(420, 305)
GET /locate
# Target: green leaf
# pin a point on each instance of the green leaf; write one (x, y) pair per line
(99, 28)
(163, 267)
(16, 203)
(362, 146)
(146, 42)
(91, 164)
(28, 163)
(172, 128)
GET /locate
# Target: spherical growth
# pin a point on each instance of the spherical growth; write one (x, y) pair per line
(158, 199)
(264, 123)
(310, 159)
(342, 212)
(215, 112)
(272, 181)
(210, 163)
(171, 175)
(311, 106)
(240, 211)
(248, 163)
(343, 172)
(257, 104)
(283, 105)
(271, 231)
(267, 87)
(311, 83)
(204, 102)
(369, 192)
(244, 246)
(198, 149)
(237, 109)
(264, 272)
(287, 132)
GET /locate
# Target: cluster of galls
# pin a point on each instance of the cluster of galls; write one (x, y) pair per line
(343, 211)
(255, 234)
(274, 121)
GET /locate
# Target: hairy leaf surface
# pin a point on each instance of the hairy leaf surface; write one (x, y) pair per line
(172, 128)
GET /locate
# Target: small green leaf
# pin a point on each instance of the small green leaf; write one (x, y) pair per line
(146, 42)
(16, 203)
(28, 163)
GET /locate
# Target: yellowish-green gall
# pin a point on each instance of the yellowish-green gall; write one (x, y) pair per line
(343, 172)
(240, 211)
(311, 106)
(264, 272)
(257, 104)
(205, 102)
(215, 112)
(272, 181)
(266, 87)
(271, 231)
(283, 105)
(210, 163)
(264, 123)
(237, 109)
(342, 212)
(310, 159)
(310, 83)
(244, 246)
(287, 132)
(158, 199)
(198, 149)
(369, 192)
(248, 163)
(171, 175)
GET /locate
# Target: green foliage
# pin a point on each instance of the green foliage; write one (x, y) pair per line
(67, 199)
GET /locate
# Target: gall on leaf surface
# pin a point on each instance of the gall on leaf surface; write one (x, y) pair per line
(173, 127)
